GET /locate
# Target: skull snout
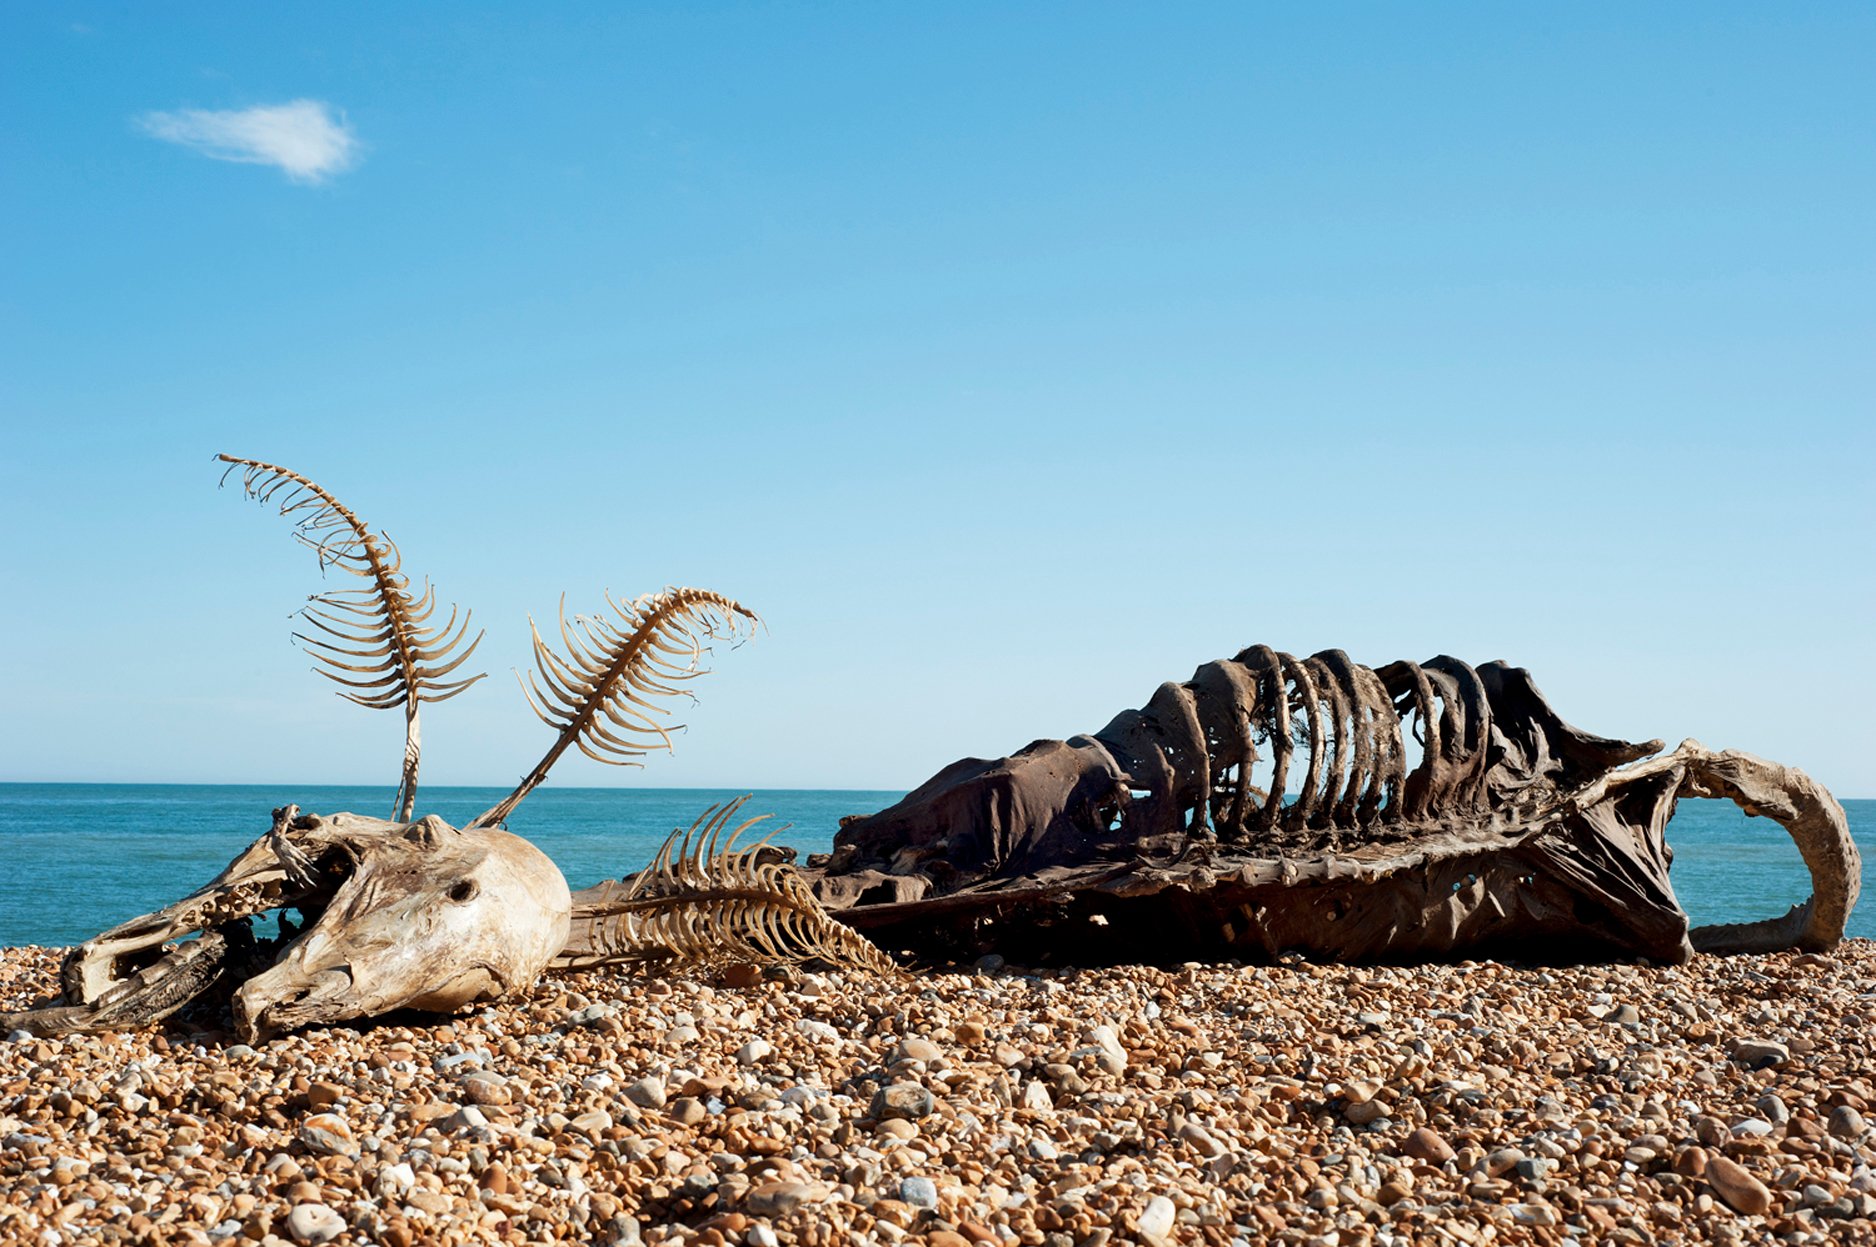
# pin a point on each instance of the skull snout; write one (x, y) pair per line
(286, 997)
(434, 922)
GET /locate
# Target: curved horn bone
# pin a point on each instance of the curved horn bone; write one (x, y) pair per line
(1816, 823)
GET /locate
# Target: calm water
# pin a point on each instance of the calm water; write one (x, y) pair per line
(76, 859)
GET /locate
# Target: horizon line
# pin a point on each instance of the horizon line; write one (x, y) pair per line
(190, 783)
(184, 783)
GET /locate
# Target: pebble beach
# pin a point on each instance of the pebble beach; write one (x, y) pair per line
(1723, 1101)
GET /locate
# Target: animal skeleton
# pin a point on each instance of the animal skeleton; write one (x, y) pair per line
(1270, 803)
(420, 914)
(403, 657)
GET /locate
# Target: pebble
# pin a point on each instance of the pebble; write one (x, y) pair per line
(394, 1180)
(646, 1093)
(1107, 1042)
(328, 1134)
(753, 1052)
(742, 975)
(1424, 1144)
(1156, 1219)
(1503, 1161)
(1204, 1141)
(465, 1119)
(485, 1087)
(1213, 1104)
(1760, 1053)
(1739, 1189)
(590, 1014)
(917, 1050)
(902, 1099)
(314, 1223)
(1536, 1168)
(772, 1199)
(594, 1122)
(494, 1179)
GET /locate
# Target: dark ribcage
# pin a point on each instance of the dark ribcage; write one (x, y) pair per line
(1268, 742)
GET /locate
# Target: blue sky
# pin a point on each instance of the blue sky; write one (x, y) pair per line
(1008, 359)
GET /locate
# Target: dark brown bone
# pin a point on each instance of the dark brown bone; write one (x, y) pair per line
(1514, 833)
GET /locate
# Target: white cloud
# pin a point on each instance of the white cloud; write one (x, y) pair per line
(307, 138)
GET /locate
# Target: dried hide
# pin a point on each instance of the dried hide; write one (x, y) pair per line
(1272, 803)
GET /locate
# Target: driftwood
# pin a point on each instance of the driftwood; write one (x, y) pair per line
(1272, 803)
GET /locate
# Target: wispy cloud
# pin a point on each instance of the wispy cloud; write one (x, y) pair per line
(308, 139)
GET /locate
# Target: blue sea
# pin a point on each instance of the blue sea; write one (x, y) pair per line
(76, 859)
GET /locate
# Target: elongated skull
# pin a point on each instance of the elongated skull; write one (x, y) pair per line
(433, 918)
(398, 915)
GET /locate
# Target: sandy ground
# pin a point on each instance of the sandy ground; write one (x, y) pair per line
(1722, 1101)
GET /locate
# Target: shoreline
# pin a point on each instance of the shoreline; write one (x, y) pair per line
(1722, 1101)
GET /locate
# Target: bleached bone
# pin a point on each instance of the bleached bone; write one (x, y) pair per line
(399, 915)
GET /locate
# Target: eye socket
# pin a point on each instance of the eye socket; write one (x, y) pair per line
(465, 889)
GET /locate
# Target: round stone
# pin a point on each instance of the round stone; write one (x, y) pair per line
(1733, 1184)
(1156, 1219)
(314, 1223)
(903, 1099)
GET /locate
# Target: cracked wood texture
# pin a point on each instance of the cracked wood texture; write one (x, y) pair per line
(1275, 803)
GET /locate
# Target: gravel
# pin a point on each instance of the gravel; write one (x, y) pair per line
(1297, 1103)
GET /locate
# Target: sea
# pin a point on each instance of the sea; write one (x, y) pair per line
(77, 859)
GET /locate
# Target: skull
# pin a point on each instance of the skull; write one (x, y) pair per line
(432, 918)
(398, 915)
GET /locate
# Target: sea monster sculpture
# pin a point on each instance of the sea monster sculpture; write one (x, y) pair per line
(1272, 803)
(419, 914)
(1268, 804)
